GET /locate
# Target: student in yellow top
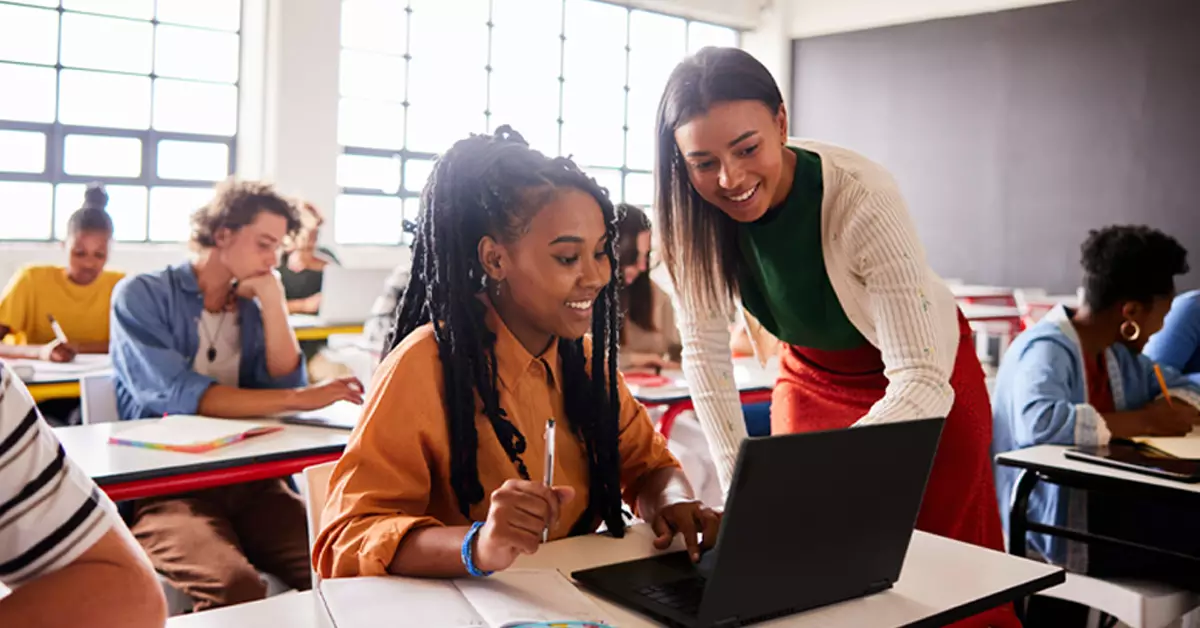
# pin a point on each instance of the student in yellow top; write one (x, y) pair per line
(513, 265)
(77, 296)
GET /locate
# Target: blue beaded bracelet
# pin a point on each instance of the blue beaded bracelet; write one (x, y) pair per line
(468, 552)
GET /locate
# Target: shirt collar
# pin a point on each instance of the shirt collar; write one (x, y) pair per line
(186, 275)
(514, 361)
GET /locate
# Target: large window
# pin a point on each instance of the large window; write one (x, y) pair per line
(139, 94)
(575, 77)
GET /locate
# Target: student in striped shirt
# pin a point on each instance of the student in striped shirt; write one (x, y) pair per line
(63, 550)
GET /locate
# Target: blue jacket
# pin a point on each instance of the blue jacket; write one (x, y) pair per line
(1041, 398)
(154, 338)
(1178, 344)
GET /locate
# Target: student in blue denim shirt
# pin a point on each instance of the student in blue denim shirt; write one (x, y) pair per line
(211, 337)
(1178, 344)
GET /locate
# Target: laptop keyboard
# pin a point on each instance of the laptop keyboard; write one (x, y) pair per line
(681, 595)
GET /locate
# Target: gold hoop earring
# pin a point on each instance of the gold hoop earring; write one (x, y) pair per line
(1130, 336)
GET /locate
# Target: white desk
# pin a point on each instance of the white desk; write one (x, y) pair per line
(310, 327)
(747, 372)
(942, 581)
(126, 472)
(289, 610)
(978, 313)
(49, 380)
(982, 293)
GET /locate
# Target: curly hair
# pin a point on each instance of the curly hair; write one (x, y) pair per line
(494, 185)
(1130, 263)
(235, 204)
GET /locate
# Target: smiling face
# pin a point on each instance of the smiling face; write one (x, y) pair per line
(252, 250)
(88, 254)
(549, 276)
(736, 158)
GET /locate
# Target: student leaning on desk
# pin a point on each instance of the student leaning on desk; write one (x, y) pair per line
(210, 336)
(76, 296)
(1078, 378)
(513, 267)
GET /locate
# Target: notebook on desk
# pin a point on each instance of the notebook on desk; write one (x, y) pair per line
(188, 434)
(510, 599)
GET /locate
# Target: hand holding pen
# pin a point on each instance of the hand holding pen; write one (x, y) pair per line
(59, 350)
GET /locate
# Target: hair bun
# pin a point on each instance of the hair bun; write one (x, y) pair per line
(506, 133)
(95, 197)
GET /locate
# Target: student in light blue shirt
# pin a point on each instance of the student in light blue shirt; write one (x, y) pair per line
(1078, 378)
(211, 336)
(1178, 344)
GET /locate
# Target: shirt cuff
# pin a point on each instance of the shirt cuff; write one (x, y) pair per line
(1090, 428)
(380, 542)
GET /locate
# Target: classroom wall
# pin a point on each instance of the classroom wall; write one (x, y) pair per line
(1013, 133)
(808, 18)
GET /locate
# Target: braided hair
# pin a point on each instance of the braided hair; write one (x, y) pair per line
(494, 185)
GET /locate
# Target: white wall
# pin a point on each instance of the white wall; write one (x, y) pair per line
(820, 17)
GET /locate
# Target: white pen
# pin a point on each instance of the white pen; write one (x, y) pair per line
(59, 334)
(548, 473)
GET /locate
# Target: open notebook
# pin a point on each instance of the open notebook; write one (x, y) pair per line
(190, 434)
(510, 599)
(1186, 447)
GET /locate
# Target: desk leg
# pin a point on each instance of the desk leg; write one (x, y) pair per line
(1018, 519)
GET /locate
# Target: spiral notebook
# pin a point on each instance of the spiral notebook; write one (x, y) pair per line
(516, 598)
(189, 434)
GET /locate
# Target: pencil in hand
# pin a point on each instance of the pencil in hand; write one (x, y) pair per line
(1162, 383)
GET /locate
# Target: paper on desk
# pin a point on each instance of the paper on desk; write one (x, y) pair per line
(374, 602)
(1186, 447)
(192, 434)
(528, 596)
(82, 364)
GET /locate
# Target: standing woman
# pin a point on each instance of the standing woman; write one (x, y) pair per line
(817, 245)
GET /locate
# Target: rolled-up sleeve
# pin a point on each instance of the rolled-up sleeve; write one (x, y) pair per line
(158, 376)
(383, 476)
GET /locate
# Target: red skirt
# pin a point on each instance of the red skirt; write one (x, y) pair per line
(820, 390)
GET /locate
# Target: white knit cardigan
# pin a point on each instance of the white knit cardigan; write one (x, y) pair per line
(878, 270)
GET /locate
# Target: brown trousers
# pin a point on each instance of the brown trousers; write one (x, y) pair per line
(211, 544)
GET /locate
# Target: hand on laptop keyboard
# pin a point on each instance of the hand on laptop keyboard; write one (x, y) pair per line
(697, 524)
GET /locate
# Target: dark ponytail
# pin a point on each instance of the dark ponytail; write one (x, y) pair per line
(92, 216)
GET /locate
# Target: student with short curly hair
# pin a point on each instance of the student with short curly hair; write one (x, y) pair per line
(1078, 378)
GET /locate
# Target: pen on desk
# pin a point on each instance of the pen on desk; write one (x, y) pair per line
(1162, 383)
(59, 334)
(548, 473)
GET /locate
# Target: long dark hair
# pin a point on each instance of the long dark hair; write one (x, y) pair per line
(493, 185)
(637, 299)
(699, 242)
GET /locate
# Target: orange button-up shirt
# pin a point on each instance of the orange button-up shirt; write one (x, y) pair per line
(395, 473)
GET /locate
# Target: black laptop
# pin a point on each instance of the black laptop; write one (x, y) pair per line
(811, 519)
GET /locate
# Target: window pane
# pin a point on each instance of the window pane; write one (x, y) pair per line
(643, 113)
(367, 219)
(370, 124)
(105, 43)
(371, 173)
(378, 25)
(610, 179)
(101, 99)
(593, 122)
(103, 156)
(37, 89)
(220, 14)
(657, 43)
(595, 46)
(196, 54)
(25, 210)
(22, 151)
(448, 40)
(171, 210)
(372, 76)
(639, 189)
(141, 9)
(417, 173)
(528, 104)
(29, 35)
(194, 161)
(40, 3)
(701, 34)
(126, 206)
(195, 107)
(412, 210)
(526, 37)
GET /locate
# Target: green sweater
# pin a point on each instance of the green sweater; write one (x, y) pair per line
(783, 281)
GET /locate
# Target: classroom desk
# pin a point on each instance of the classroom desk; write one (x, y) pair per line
(127, 472)
(942, 581)
(289, 610)
(46, 380)
(1046, 463)
(310, 327)
(983, 294)
(979, 313)
(755, 383)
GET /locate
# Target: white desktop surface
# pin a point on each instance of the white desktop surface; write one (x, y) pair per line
(939, 575)
(289, 610)
(747, 372)
(88, 446)
(1053, 457)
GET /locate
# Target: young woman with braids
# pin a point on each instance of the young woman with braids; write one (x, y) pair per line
(513, 265)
